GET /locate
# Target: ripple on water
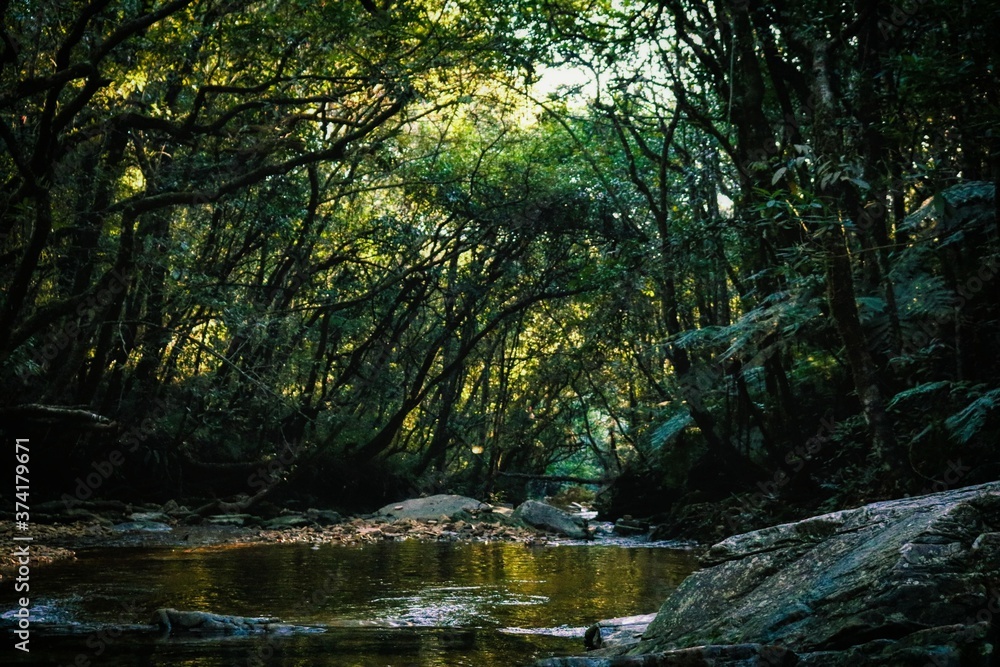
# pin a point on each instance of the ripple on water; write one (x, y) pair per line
(562, 631)
(415, 604)
(54, 611)
(452, 606)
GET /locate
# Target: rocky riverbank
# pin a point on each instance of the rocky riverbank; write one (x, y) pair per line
(908, 582)
(435, 518)
(43, 547)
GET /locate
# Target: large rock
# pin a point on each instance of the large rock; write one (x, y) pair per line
(731, 655)
(431, 507)
(626, 630)
(174, 622)
(629, 527)
(914, 581)
(553, 519)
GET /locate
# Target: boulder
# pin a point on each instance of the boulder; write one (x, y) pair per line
(732, 655)
(174, 622)
(628, 527)
(546, 517)
(431, 508)
(623, 631)
(914, 581)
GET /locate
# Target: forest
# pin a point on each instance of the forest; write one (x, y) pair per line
(700, 256)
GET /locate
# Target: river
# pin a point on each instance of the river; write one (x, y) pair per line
(410, 603)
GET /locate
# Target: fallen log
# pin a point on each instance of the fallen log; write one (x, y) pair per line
(58, 414)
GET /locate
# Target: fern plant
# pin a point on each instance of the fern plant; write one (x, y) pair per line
(976, 418)
(943, 421)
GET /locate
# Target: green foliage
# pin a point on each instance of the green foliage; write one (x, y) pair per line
(381, 231)
(666, 432)
(927, 391)
(973, 420)
(947, 421)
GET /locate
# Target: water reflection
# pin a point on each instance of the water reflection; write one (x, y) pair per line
(393, 603)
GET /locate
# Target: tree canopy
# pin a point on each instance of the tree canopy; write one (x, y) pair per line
(684, 248)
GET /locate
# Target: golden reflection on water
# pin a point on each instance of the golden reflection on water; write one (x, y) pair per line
(393, 603)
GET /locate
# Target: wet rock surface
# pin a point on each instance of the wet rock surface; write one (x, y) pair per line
(734, 655)
(174, 622)
(629, 527)
(617, 632)
(552, 519)
(914, 581)
(431, 508)
(141, 527)
(61, 530)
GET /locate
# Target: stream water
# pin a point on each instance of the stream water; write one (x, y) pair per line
(393, 603)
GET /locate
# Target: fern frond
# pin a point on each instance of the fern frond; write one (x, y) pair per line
(968, 423)
(701, 338)
(922, 391)
(669, 429)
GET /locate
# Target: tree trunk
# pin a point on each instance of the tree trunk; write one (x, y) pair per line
(840, 277)
(864, 372)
